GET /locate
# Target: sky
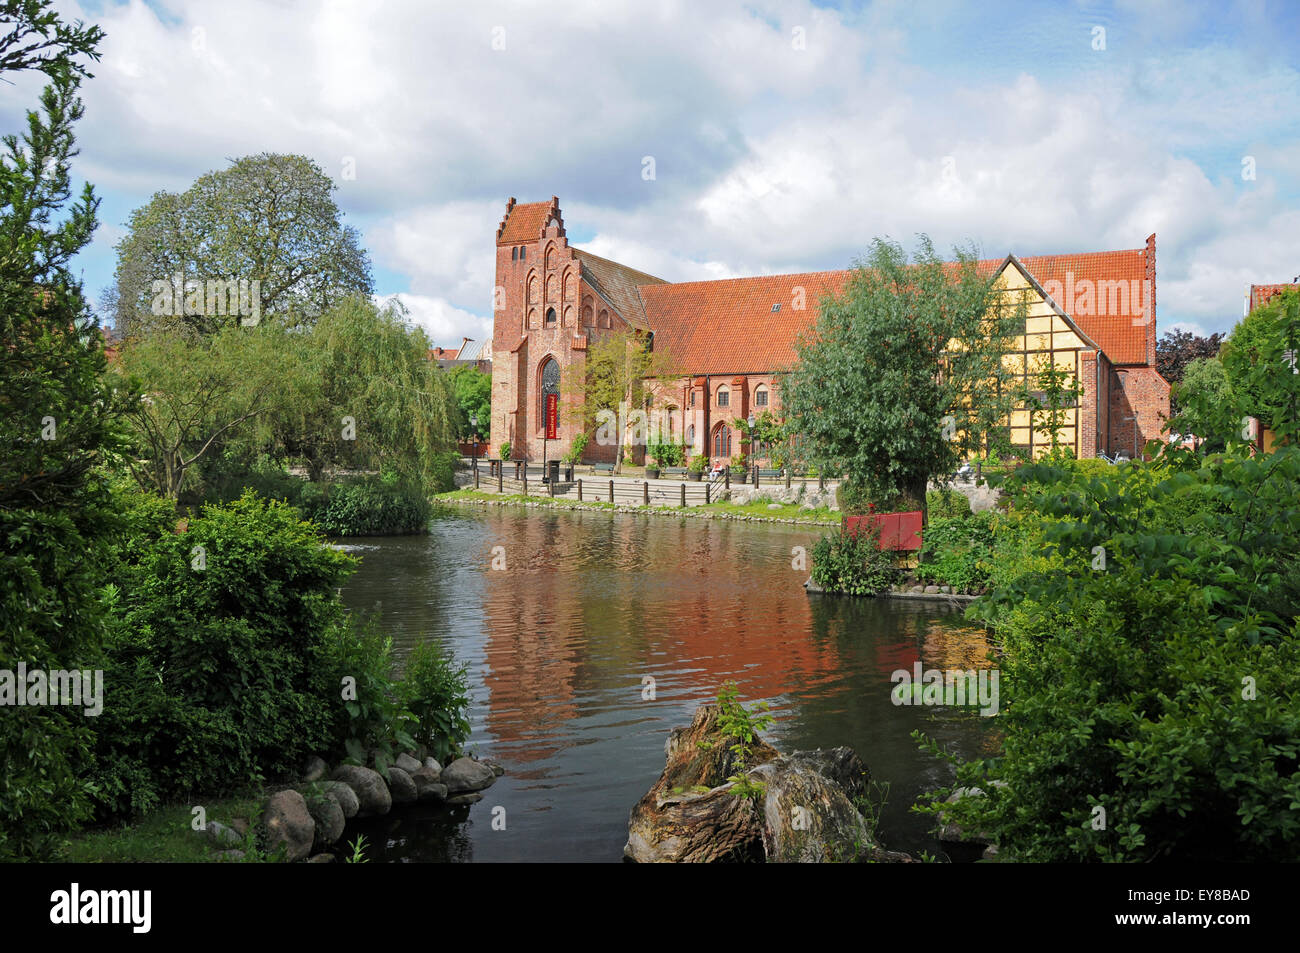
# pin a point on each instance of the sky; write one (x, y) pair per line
(783, 136)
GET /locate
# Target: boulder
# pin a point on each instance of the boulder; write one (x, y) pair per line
(344, 795)
(427, 785)
(328, 815)
(950, 833)
(321, 859)
(314, 769)
(465, 775)
(497, 769)
(223, 836)
(407, 763)
(371, 791)
(286, 820)
(433, 765)
(472, 797)
(401, 787)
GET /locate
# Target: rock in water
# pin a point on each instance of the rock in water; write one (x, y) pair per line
(328, 815)
(401, 786)
(465, 775)
(344, 795)
(287, 821)
(407, 763)
(370, 789)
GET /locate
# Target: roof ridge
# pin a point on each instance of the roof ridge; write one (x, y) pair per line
(619, 264)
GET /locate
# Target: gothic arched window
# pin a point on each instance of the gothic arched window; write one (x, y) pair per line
(550, 319)
(550, 384)
(722, 441)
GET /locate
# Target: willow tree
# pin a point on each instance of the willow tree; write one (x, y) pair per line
(901, 376)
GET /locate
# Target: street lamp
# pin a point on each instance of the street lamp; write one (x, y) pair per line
(753, 449)
(473, 425)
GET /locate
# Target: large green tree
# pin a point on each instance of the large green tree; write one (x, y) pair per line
(617, 367)
(901, 376)
(60, 425)
(1261, 359)
(268, 218)
(473, 390)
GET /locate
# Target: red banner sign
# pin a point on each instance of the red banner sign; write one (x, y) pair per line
(552, 416)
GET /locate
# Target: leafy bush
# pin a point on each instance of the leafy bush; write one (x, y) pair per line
(219, 668)
(852, 563)
(1151, 642)
(505, 450)
(945, 505)
(668, 454)
(699, 463)
(956, 550)
(436, 692)
(370, 506)
(576, 449)
(374, 718)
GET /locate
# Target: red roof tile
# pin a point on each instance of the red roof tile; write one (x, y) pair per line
(1261, 294)
(618, 284)
(524, 223)
(728, 326)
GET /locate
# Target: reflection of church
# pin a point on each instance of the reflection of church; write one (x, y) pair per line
(1091, 314)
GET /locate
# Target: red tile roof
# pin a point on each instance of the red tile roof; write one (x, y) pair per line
(524, 223)
(618, 284)
(728, 326)
(1261, 294)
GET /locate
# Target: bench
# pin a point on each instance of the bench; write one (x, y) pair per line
(603, 468)
(673, 471)
(769, 474)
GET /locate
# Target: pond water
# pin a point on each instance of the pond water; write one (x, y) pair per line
(589, 604)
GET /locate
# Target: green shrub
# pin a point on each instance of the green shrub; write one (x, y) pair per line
(852, 564)
(219, 673)
(699, 463)
(576, 449)
(436, 691)
(505, 450)
(1151, 644)
(373, 717)
(668, 454)
(946, 504)
(957, 551)
(370, 506)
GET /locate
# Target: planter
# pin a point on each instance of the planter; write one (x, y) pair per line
(652, 473)
(694, 475)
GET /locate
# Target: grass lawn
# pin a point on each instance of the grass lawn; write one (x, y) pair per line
(785, 511)
(165, 836)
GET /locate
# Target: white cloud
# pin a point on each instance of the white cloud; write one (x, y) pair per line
(445, 324)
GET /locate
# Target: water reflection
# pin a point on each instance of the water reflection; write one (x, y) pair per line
(590, 603)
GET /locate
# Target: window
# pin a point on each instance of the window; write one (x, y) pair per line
(550, 385)
(690, 435)
(550, 317)
(776, 307)
(523, 253)
(514, 253)
(692, 398)
(724, 398)
(722, 441)
(760, 397)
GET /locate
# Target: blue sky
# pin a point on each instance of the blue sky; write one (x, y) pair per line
(785, 135)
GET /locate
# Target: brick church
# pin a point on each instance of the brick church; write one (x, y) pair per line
(1093, 314)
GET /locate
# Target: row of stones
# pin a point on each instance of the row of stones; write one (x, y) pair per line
(693, 512)
(313, 814)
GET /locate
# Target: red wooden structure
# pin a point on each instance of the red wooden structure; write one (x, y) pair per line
(899, 532)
